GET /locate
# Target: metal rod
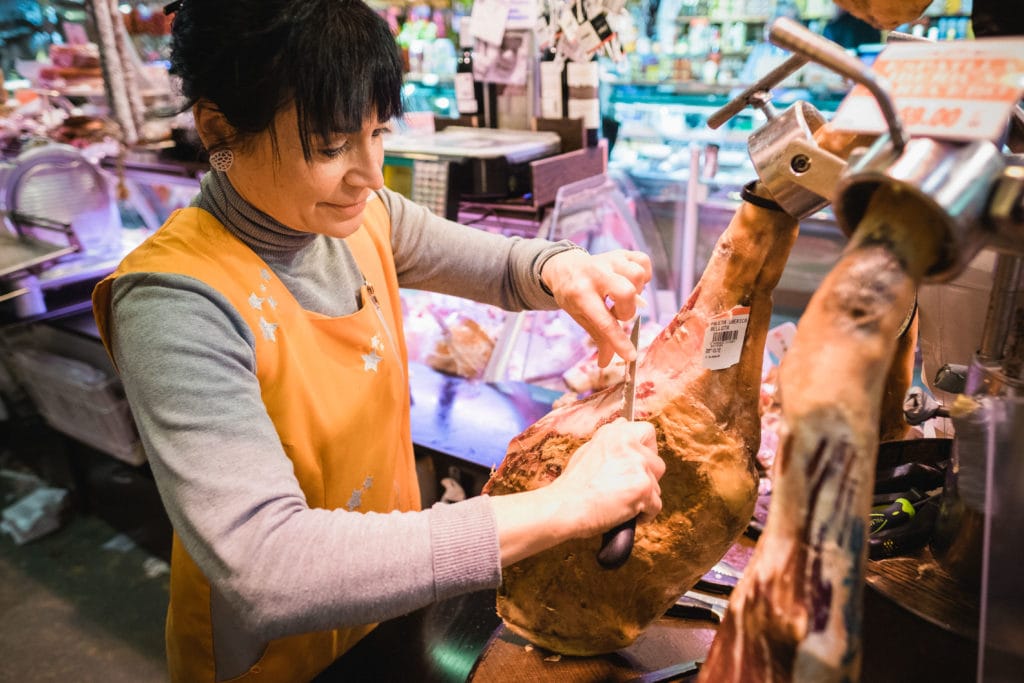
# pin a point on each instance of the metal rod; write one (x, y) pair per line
(1013, 361)
(794, 36)
(754, 95)
(687, 252)
(901, 37)
(1013, 350)
(1006, 288)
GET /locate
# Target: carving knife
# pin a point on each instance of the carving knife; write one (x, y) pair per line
(617, 542)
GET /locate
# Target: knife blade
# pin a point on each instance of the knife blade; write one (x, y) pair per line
(629, 385)
(617, 542)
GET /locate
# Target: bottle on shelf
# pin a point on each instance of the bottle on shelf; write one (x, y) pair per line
(583, 79)
(469, 92)
(553, 87)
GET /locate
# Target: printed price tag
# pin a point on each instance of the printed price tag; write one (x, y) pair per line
(522, 14)
(488, 20)
(588, 110)
(583, 75)
(465, 94)
(594, 33)
(588, 38)
(551, 89)
(954, 90)
(544, 33)
(570, 27)
(723, 340)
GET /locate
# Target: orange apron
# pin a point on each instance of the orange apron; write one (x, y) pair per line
(335, 389)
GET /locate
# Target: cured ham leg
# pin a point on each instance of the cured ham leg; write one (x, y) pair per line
(708, 434)
(885, 13)
(795, 615)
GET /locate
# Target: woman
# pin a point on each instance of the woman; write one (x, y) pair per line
(259, 338)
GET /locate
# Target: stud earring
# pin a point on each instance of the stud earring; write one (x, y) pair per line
(222, 159)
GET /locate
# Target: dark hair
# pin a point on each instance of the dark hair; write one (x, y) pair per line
(335, 59)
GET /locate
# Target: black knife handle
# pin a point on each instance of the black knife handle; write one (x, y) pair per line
(616, 545)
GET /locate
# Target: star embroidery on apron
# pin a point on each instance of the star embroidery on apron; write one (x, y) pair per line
(371, 360)
(356, 499)
(268, 329)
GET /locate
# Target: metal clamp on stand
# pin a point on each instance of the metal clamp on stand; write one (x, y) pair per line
(950, 181)
(799, 175)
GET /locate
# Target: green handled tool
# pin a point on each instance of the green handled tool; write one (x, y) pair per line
(896, 513)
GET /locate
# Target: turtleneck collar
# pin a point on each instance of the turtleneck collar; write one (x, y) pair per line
(262, 233)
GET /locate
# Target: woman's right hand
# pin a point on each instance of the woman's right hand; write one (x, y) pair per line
(608, 480)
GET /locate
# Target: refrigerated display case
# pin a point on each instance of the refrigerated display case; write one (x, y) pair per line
(543, 348)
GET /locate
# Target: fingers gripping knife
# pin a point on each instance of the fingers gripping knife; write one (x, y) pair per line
(617, 542)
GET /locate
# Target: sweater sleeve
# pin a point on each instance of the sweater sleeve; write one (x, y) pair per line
(187, 362)
(439, 255)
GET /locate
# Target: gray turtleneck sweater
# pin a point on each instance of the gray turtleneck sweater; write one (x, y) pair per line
(188, 366)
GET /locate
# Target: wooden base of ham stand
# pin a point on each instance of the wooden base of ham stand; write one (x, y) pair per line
(903, 639)
(462, 640)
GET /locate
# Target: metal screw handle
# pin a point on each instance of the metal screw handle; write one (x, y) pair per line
(794, 36)
(755, 94)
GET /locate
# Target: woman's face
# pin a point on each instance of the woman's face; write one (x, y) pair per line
(325, 195)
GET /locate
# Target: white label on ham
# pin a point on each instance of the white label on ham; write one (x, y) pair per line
(723, 340)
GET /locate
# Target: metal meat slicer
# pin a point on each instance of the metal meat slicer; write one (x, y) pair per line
(55, 202)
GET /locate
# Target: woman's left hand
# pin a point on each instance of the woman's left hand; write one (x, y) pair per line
(584, 285)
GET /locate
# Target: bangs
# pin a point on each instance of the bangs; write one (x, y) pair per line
(339, 83)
